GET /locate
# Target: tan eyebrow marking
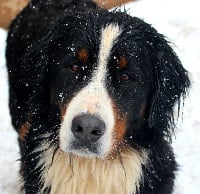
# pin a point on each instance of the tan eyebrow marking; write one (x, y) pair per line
(83, 55)
(122, 63)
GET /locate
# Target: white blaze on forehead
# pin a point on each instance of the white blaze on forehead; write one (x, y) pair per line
(94, 98)
(108, 37)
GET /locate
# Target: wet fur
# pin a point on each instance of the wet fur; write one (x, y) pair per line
(92, 175)
(34, 99)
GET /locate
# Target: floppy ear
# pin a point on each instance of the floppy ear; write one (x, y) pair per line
(26, 80)
(37, 67)
(170, 83)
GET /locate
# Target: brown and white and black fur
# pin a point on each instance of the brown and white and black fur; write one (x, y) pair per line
(92, 94)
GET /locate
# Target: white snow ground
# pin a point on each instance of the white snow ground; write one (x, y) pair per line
(179, 21)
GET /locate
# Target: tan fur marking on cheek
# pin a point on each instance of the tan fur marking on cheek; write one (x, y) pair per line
(83, 55)
(63, 109)
(119, 129)
(24, 130)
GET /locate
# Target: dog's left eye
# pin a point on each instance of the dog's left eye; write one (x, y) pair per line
(76, 68)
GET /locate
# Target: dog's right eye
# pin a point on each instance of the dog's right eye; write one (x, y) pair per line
(76, 68)
(124, 77)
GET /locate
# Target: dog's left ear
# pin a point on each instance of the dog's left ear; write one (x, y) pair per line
(170, 84)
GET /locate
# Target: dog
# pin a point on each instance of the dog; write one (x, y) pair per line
(92, 97)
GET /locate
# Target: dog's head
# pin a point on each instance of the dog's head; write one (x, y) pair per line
(109, 80)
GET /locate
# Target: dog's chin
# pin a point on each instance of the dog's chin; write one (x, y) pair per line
(93, 153)
(96, 150)
(85, 153)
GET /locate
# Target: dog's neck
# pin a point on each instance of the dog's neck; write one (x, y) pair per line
(71, 174)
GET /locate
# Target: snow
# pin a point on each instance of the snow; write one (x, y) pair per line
(179, 21)
(9, 151)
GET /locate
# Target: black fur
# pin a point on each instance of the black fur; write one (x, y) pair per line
(38, 41)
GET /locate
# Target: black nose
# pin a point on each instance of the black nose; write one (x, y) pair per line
(88, 127)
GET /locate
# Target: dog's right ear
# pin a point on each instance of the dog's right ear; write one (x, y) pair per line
(36, 68)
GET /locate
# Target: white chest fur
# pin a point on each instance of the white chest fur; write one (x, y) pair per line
(70, 174)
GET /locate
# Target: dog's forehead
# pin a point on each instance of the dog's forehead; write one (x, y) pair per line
(83, 40)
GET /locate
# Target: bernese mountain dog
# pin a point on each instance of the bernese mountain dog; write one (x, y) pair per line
(92, 97)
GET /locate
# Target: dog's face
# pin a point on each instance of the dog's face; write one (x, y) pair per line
(101, 86)
(112, 79)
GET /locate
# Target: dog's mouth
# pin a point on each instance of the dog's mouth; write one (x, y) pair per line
(95, 150)
(84, 149)
(87, 149)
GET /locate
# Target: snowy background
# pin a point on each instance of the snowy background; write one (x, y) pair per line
(179, 21)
